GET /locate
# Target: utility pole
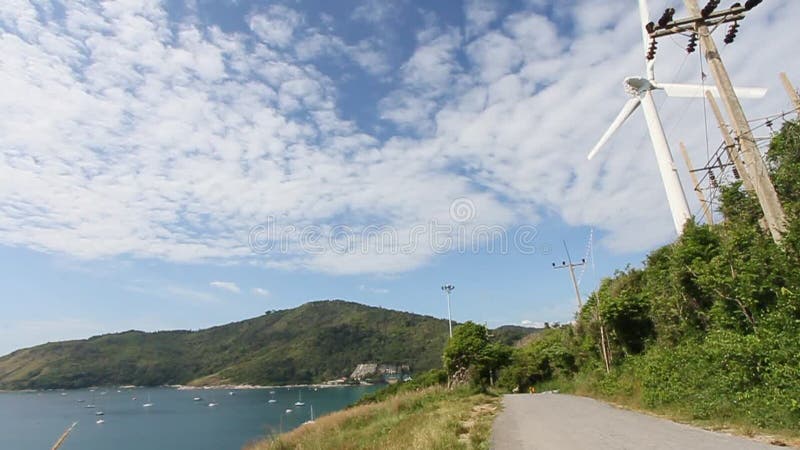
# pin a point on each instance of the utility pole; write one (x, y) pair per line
(568, 264)
(730, 145)
(703, 202)
(791, 91)
(699, 23)
(448, 288)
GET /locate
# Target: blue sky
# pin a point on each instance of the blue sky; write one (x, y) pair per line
(186, 164)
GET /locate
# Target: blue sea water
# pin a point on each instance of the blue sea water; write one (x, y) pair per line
(35, 420)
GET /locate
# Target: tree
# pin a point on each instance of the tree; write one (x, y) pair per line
(471, 356)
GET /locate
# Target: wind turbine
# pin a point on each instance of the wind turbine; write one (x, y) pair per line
(641, 91)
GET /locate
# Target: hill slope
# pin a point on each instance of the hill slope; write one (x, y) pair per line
(313, 342)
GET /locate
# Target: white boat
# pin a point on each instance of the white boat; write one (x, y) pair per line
(299, 401)
(272, 392)
(212, 404)
(197, 399)
(99, 413)
(272, 400)
(288, 410)
(100, 421)
(89, 406)
(231, 393)
(149, 403)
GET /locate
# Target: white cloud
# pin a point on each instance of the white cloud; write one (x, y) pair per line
(532, 324)
(126, 134)
(261, 292)
(276, 25)
(373, 290)
(229, 286)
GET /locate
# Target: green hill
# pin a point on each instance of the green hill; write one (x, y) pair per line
(314, 342)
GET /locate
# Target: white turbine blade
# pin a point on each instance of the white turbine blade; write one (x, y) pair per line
(644, 16)
(626, 112)
(697, 91)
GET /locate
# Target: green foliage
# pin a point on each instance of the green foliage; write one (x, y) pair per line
(708, 328)
(471, 355)
(433, 377)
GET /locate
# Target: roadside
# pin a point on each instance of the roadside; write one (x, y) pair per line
(557, 421)
(432, 418)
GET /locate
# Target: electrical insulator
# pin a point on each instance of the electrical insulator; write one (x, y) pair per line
(650, 27)
(692, 43)
(651, 52)
(666, 18)
(750, 4)
(712, 179)
(736, 174)
(709, 8)
(732, 33)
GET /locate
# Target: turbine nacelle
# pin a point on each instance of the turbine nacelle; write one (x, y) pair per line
(636, 86)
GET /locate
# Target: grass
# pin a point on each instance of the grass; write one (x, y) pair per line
(432, 418)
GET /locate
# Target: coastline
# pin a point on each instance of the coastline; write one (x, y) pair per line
(183, 387)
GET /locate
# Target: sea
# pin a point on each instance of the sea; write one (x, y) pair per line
(175, 421)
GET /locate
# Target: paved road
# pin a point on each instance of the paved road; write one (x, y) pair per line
(556, 422)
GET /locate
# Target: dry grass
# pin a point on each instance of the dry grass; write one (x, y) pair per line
(434, 418)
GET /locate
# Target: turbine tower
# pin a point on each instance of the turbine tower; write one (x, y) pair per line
(641, 91)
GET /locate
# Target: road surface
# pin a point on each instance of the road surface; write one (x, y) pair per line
(556, 422)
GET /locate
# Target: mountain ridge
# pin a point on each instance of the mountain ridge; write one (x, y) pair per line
(313, 342)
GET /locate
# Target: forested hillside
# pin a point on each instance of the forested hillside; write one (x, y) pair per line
(708, 328)
(314, 342)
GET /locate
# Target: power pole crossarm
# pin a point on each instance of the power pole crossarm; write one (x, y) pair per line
(703, 202)
(730, 144)
(756, 169)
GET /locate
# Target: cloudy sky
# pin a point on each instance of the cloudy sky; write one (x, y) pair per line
(172, 164)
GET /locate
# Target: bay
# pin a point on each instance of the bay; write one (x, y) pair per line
(35, 420)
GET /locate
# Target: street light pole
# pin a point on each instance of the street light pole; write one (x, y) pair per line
(448, 288)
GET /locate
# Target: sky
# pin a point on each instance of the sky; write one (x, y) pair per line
(178, 165)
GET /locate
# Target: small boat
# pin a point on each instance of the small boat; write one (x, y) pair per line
(149, 402)
(231, 393)
(63, 394)
(90, 406)
(272, 400)
(212, 404)
(99, 413)
(80, 400)
(288, 410)
(299, 401)
(100, 421)
(197, 399)
(312, 416)
(272, 392)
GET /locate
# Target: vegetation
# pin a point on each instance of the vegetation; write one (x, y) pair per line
(430, 418)
(314, 342)
(708, 329)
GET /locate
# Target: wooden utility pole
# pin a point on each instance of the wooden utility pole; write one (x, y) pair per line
(699, 24)
(730, 145)
(568, 264)
(791, 91)
(603, 347)
(696, 183)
